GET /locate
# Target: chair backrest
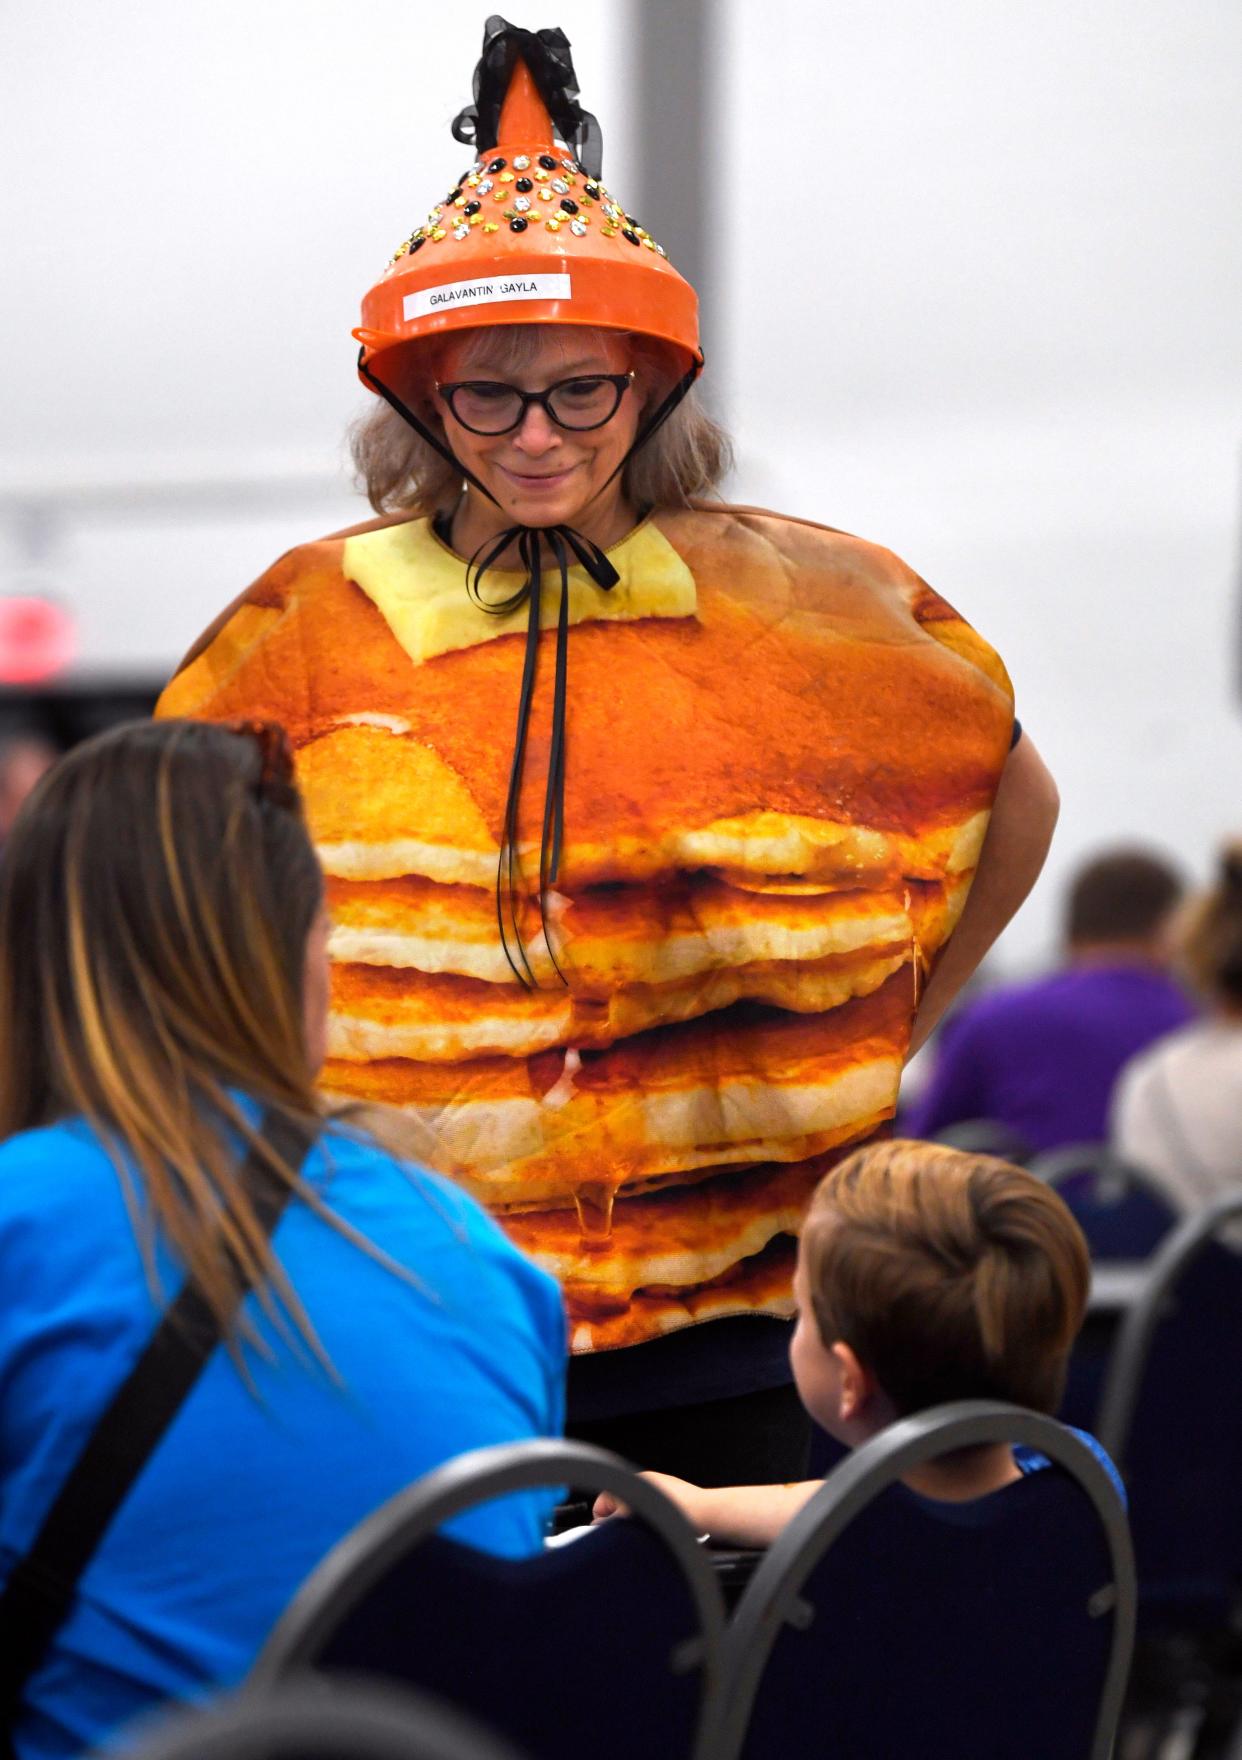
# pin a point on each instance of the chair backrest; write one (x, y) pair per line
(1118, 1205)
(891, 1624)
(1172, 1420)
(355, 1721)
(608, 1645)
(986, 1136)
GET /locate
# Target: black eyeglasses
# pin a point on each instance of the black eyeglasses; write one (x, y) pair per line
(486, 406)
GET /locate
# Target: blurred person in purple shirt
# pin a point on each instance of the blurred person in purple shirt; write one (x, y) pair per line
(1042, 1057)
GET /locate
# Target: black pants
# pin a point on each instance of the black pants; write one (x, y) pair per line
(751, 1439)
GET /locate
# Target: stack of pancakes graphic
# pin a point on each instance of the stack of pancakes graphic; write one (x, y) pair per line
(778, 781)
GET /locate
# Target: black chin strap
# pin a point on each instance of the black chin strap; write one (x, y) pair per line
(419, 426)
(561, 540)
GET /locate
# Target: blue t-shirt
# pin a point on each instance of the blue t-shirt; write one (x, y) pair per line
(251, 1485)
(1030, 1460)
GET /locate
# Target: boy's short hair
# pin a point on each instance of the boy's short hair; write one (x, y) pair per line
(950, 1276)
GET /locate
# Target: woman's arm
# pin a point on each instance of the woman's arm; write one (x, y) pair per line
(1019, 833)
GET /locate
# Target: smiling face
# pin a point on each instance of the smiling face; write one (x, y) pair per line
(542, 474)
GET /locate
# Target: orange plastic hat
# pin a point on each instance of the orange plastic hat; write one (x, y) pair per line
(526, 236)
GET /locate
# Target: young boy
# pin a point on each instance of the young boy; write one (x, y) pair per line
(924, 1275)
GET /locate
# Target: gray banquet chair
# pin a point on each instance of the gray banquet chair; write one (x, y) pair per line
(1118, 1205)
(629, 1617)
(883, 1623)
(1171, 1419)
(986, 1136)
(311, 1721)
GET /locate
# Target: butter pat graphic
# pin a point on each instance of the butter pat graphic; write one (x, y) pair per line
(418, 586)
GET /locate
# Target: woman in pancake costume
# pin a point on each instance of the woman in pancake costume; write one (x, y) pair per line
(646, 819)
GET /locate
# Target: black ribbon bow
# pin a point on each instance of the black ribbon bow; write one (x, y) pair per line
(546, 54)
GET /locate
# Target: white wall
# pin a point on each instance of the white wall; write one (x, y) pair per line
(985, 307)
(977, 297)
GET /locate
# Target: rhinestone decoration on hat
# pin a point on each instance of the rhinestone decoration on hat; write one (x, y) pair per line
(530, 232)
(589, 203)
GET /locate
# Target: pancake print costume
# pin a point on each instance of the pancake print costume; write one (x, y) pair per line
(641, 970)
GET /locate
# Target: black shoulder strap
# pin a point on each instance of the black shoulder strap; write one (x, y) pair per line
(38, 1595)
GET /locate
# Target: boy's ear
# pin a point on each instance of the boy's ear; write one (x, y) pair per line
(855, 1383)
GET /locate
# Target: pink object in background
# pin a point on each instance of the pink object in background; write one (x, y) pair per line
(37, 639)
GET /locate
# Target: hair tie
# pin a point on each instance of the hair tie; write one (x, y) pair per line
(275, 785)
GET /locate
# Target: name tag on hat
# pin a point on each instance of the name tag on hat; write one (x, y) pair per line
(489, 290)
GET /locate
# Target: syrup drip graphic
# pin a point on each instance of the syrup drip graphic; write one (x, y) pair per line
(593, 1201)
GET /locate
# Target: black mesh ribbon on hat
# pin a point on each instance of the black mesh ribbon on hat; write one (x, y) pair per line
(546, 54)
(561, 540)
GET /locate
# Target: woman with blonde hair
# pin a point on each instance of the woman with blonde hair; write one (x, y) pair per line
(647, 819)
(231, 1327)
(1178, 1106)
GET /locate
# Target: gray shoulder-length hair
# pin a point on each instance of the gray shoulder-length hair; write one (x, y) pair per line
(686, 456)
